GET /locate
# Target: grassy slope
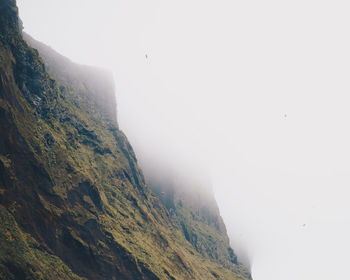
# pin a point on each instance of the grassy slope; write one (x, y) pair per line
(73, 200)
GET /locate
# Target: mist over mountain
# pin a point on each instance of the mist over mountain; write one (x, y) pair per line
(74, 203)
(256, 92)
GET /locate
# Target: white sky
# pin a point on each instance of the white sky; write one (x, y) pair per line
(255, 91)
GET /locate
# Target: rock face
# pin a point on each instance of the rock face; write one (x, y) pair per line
(193, 210)
(73, 201)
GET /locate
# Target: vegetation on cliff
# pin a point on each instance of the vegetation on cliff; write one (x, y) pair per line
(73, 202)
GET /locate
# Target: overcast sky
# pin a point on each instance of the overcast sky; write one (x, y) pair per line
(257, 92)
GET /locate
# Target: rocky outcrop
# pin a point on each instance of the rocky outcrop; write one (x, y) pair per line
(194, 211)
(85, 81)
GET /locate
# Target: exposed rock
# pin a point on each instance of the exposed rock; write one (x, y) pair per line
(73, 201)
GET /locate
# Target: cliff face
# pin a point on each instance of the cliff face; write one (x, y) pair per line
(73, 202)
(193, 210)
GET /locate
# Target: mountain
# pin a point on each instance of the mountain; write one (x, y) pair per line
(74, 203)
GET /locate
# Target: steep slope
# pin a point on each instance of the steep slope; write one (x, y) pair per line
(194, 211)
(73, 201)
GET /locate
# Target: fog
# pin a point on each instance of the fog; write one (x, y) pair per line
(254, 94)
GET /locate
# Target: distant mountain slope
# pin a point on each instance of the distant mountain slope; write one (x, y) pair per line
(194, 211)
(73, 202)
